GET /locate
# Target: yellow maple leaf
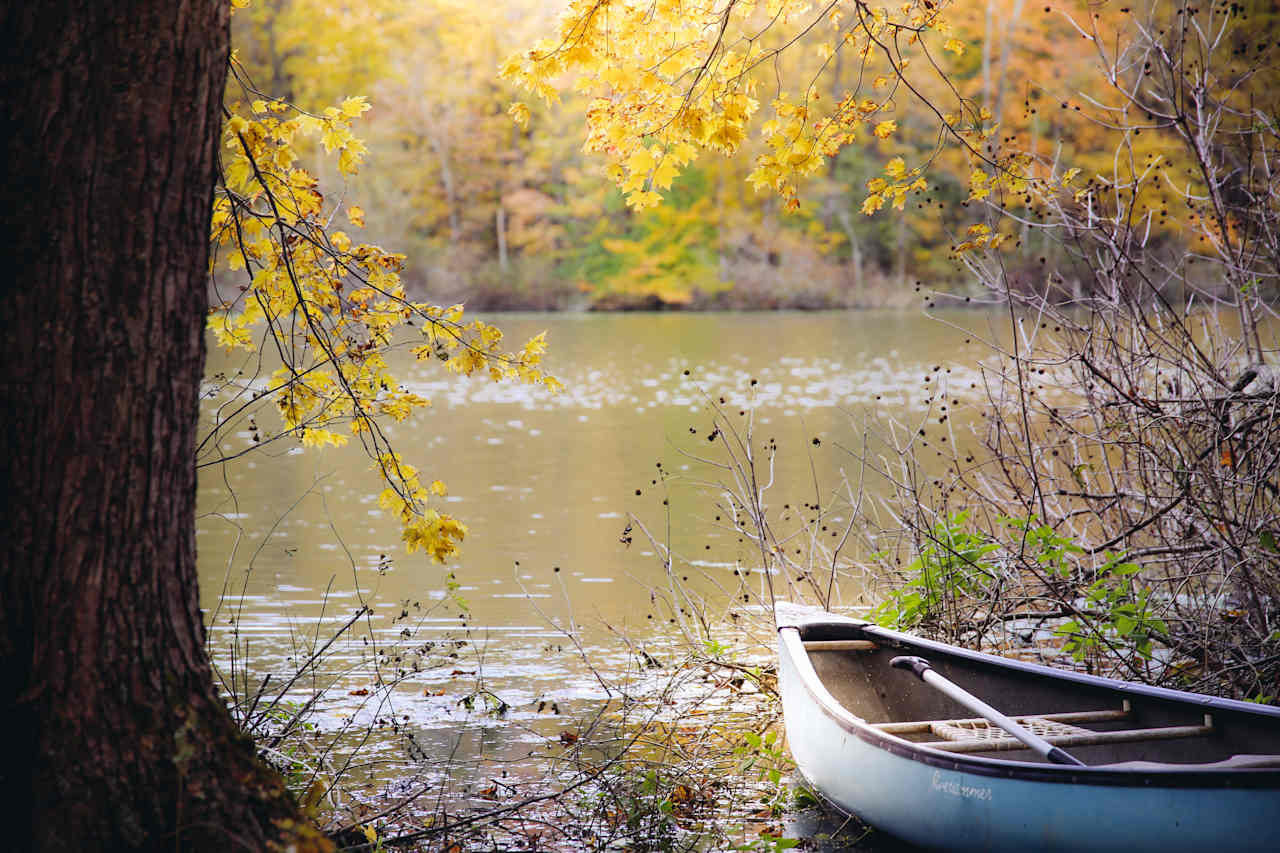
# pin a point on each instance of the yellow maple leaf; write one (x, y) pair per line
(633, 182)
(321, 437)
(896, 168)
(641, 199)
(885, 129)
(978, 188)
(354, 106)
(519, 112)
(349, 159)
(355, 213)
(640, 162)
(955, 46)
(665, 173)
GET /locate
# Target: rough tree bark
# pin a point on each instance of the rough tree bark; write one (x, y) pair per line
(115, 737)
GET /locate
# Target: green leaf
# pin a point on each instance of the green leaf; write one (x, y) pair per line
(1268, 541)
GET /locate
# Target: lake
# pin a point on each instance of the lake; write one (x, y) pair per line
(291, 542)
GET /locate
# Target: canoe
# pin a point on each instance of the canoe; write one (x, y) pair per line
(1163, 770)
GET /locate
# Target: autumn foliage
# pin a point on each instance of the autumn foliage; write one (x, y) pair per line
(325, 307)
(781, 136)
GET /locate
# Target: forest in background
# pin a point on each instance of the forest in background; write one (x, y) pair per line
(504, 216)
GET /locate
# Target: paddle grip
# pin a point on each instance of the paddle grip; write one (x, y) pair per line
(917, 665)
(1059, 756)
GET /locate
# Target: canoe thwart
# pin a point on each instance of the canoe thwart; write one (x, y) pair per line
(1028, 720)
(965, 739)
(978, 735)
(1084, 738)
(839, 646)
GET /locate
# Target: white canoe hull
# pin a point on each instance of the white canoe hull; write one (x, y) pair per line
(942, 800)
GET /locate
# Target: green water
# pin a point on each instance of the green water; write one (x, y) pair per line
(291, 542)
(547, 480)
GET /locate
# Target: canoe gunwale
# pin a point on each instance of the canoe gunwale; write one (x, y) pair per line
(1171, 776)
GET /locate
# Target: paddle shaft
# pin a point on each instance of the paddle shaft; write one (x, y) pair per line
(1034, 742)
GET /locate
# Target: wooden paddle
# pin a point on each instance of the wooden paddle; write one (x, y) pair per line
(1034, 742)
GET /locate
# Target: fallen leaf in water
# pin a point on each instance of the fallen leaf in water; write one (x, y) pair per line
(363, 691)
(314, 794)
(568, 737)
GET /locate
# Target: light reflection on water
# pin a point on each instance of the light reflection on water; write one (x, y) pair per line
(545, 484)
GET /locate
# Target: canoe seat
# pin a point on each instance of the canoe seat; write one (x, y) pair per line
(978, 735)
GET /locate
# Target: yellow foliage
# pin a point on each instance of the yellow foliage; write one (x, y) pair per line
(978, 188)
(665, 75)
(355, 106)
(328, 308)
(322, 437)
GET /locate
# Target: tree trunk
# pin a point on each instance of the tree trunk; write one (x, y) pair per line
(902, 252)
(117, 738)
(500, 225)
(987, 38)
(1013, 19)
(441, 148)
(855, 248)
